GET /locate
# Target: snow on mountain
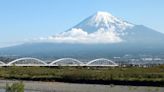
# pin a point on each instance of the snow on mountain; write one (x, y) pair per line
(101, 27)
(103, 20)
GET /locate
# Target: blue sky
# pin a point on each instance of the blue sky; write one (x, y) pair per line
(27, 19)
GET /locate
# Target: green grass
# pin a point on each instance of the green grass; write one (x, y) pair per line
(128, 74)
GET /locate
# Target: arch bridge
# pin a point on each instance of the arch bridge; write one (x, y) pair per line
(28, 61)
(101, 62)
(66, 62)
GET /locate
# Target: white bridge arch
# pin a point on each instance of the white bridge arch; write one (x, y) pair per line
(68, 62)
(23, 61)
(28, 61)
(101, 62)
(2, 63)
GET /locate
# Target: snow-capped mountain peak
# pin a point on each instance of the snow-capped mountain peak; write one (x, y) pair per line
(101, 17)
(103, 20)
(101, 27)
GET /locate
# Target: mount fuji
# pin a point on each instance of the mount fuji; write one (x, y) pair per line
(100, 35)
(103, 27)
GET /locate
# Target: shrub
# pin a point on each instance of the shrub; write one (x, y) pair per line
(15, 87)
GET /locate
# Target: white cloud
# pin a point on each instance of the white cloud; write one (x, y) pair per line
(79, 36)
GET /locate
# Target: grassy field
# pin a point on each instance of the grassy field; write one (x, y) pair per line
(152, 76)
